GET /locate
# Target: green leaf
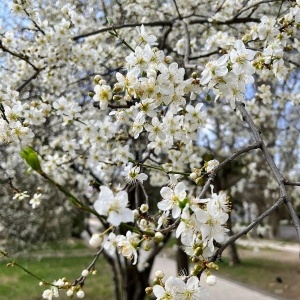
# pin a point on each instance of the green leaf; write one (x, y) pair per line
(32, 159)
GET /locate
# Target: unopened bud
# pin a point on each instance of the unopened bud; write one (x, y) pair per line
(95, 240)
(195, 259)
(168, 59)
(148, 290)
(197, 268)
(211, 280)
(80, 294)
(85, 273)
(198, 251)
(117, 98)
(119, 87)
(159, 274)
(193, 176)
(97, 78)
(158, 237)
(194, 75)
(144, 208)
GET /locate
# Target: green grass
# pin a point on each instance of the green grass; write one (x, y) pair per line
(263, 274)
(15, 284)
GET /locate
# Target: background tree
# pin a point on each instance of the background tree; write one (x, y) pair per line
(181, 90)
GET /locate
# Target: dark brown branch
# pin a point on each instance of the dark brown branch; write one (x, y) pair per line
(166, 23)
(194, 67)
(228, 160)
(177, 10)
(2, 109)
(204, 55)
(287, 182)
(109, 28)
(35, 24)
(171, 227)
(97, 105)
(294, 63)
(27, 81)
(231, 240)
(280, 180)
(254, 5)
(20, 56)
(228, 22)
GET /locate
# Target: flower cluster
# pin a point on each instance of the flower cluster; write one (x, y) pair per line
(114, 206)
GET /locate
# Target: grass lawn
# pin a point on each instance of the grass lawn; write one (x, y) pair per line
(280, 277)
(15, 284)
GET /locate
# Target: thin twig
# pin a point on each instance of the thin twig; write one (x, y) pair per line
(177, 10)
(91, 267)
(187, 50)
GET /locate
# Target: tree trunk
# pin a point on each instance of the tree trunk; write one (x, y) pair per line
(274, 220)
(136, 283)
(233, 254)
(182, 260)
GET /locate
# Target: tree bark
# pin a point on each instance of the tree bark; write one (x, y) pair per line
(181, 259)
(233, 254)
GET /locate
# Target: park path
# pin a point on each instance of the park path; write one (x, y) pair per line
(223, 290)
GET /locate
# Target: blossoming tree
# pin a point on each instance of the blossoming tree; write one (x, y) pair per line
(123, 97)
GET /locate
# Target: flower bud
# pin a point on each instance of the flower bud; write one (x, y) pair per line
(95, 240)
(117, 97)
(195, 273)
(148, 290)
(158, 237)
(97, 78)
(80, 294)
(194, 75)
(144, 208)
(85, 273)
(193, 176)
(198, 251)
(197, 268)
(195, 259)
(159, 274)
(168, 59)
(211, 280)
(119, 87)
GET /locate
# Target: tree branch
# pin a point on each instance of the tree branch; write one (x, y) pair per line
(287, 182)
(109, 28)
(231, 240)
(280, 180)
(27, 81)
